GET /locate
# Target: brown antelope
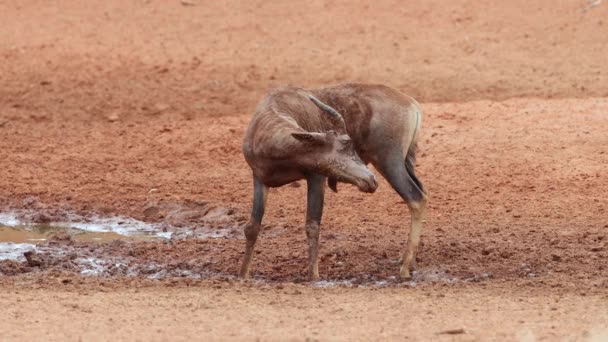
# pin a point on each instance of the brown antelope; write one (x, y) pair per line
(300, 134)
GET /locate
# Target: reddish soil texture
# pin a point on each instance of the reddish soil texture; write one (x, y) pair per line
(117, 107)
(517, 190)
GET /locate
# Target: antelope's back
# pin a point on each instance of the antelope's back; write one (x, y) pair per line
(378, 118)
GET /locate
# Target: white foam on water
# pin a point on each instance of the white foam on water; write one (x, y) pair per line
(119, 225)
(9, 220)
(91, 266)
(14, 251)
(165, 235)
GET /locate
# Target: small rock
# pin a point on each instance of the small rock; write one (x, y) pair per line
(597, 249)
(556, 257)
(113, 117)
(29, 201)
(151, 211)
(33, 259)
(40, 218)
(60, 238)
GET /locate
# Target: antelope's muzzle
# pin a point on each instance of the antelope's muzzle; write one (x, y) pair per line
(368, 184)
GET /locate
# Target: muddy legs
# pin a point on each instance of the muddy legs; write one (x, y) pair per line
(417, 210)
(252, 228)
(403, 179)
(314, 211)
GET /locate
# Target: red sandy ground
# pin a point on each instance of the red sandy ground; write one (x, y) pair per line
(102, 102)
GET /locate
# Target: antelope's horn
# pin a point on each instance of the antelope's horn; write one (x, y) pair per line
(329, 110)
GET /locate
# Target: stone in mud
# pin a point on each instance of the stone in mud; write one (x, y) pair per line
(33, 259)
(40, 217)
(151, 211)
(60, 238)
(30, 201)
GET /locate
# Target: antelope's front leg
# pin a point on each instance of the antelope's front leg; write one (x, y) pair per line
(252, 229)
(314, 211)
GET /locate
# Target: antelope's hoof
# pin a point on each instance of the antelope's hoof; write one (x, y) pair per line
(405, 274)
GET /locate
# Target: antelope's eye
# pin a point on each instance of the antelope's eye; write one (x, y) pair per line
(346, 140)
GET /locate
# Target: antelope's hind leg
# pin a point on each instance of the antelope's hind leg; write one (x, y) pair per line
(314, 211)
(399, 172)
(252, 229)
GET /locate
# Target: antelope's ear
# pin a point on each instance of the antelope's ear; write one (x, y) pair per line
(311, 138)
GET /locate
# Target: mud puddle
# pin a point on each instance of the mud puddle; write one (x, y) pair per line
(40, 233)
(18, 236)
(197, 241)
(19, 239)
(39, 238)
(19, 227)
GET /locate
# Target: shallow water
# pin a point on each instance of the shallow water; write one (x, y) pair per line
(40, 233)
(14, 251)
(18, 237)
(92, 229)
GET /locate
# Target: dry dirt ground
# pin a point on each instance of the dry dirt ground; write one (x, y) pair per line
(116, 107)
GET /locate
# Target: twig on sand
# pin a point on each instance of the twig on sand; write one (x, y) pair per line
(451, 332)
